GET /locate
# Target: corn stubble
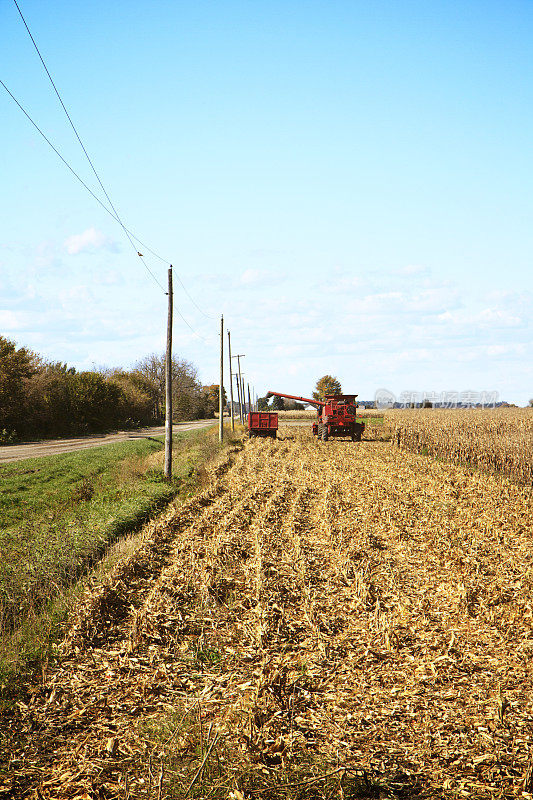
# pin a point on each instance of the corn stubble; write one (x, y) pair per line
(322, 621)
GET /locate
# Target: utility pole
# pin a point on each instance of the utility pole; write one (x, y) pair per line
(239, 384)
(231, 383)
(241, 355)
(249, 403)
(243, 401)
(221, 386)
(168, 384)
(239, 401)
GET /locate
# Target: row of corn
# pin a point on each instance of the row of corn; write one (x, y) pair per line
(492, 440)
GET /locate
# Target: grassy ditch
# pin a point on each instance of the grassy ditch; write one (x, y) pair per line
(58, 516)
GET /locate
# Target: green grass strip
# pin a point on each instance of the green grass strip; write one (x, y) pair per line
(58, 516)
(58, 513)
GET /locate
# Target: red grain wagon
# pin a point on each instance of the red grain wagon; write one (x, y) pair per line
(262, 423)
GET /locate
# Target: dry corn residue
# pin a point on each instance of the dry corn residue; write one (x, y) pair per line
(324, 620)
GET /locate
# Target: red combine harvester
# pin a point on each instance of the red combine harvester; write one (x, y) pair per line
(335, 415)
(262, 423)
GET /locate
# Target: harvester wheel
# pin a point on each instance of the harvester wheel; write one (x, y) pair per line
(325, 434)
(357, 433)
(319, 431)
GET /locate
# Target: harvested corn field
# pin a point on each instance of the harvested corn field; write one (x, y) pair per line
(324, 621)
(494, 440)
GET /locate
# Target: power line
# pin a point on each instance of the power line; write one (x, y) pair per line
(65, 162)
(208, 316)
(88, 188)
(116, 216)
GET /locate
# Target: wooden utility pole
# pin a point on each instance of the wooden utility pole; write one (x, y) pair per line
(221, 386)
(231, 383)
(239, 401)
(249, 403)
(240, 385)
(168, 384)
(241, 355)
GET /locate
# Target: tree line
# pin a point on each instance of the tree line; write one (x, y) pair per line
(40, 398)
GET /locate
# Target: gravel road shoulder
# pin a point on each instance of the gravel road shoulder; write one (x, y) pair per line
(51, 447)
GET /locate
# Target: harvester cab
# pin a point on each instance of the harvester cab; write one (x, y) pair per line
(336, 415)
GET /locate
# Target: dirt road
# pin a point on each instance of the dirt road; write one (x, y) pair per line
(326, 621)
(50, 447)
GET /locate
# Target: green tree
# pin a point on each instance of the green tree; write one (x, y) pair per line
(262, 404)
(325, 386)
(48, 398)
(95, 404)
(138, 399)
(210, 396)
(278, 404)
(16, 366)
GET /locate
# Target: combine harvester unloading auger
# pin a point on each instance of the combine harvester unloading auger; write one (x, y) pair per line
(336, 415)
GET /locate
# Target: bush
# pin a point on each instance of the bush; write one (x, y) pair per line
(137, 404)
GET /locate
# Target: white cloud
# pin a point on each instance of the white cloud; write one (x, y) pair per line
(512, 349)
(343, 285)
(446, 316)
(252, 276)
(75, 294)
(376, 303)
(267, 278)
(495, 316)
(110, 278)
(497, 350)
(89, 241)
(12, 321)
(413, 269)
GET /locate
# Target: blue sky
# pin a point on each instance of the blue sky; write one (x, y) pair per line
(348, 182)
